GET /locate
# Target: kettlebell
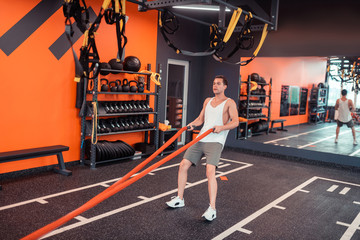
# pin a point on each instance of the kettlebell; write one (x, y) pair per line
(125, 86)
(113, 86)
(133, 88)
(104, 87)
(119, 87)
(141, 87)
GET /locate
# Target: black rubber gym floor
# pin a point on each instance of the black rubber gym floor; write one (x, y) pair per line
(262, 198)
(315, 137)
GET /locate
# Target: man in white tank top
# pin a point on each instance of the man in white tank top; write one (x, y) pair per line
(344, 107)
(219, 113)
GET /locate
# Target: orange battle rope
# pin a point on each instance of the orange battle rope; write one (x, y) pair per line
(116, 187)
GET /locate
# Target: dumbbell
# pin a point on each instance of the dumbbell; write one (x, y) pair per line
(112, 126)
(140, 123)
(104, 128)
(126, 107)
(116, 107)
(123, 124)
(106, 107)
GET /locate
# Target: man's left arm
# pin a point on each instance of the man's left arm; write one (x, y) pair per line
(234, 117)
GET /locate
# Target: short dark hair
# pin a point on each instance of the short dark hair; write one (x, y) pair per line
(225, 81)
(344, 92)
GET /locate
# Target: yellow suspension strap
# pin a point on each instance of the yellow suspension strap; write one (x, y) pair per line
(232, 24)
(115, 13)
(263, 37)
(245, 40)
(73, 9)
(154, 77)
(94, 124)
(352, 74)
(88, 54)
(217, 42)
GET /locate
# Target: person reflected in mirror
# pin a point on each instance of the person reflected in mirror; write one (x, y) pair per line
(344, 107)
(219, 113)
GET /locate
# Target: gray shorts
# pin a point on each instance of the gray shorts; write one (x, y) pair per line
(349, 124)
(211, 150)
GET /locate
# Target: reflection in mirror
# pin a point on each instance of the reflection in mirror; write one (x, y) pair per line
(300, 101)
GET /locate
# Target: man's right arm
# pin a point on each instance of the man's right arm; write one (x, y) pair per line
(200, 119)
(337, 104)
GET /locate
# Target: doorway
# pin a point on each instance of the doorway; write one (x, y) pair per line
(176, 94)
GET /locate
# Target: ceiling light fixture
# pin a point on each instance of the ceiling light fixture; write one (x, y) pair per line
(201, 7)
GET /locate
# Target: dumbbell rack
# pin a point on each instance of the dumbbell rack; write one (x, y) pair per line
(248, 108)
(86, 125)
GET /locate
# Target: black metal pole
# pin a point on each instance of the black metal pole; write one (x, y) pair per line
(233, 7)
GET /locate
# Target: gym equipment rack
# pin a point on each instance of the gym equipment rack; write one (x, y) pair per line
(242, 129)
(318, 105)
(86, 124)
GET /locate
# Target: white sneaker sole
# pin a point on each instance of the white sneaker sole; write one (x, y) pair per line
(209, 219)
(176, 206)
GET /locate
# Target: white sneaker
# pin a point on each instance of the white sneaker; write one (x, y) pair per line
(209, 214)
(355, 143)
(336, 140)
(176, 202)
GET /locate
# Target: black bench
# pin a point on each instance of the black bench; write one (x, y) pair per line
(38, 152)
(277, 121)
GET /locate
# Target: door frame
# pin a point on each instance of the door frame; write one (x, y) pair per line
(185, 64)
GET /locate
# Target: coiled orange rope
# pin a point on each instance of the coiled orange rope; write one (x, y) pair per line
(116, 187)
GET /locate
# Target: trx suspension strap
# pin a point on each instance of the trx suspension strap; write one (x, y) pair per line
(169, 24)
(244, 63)
(72, 9)
(245, 40)
(108, 193)
(88, 53)
(113, 15)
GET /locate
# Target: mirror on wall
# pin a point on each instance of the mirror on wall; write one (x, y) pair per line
(300, 107)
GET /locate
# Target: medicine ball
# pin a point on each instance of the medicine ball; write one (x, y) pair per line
(255, 77)
(104, 66)
(116, 64)
(132, 63)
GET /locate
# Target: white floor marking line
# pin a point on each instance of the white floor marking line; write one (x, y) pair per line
(142, 197)
(332, 188)
(42, 199)
(354, 153)
(105, 185)
(280, 207)
(115, 211)
(355, 202)
(337, 181)
(224, 165)
(242, 223)
(245, 231)
(253, 216)
(351, 228)
(304, 191)
(81, 219)
(324, 139)
(300, 134)
(344, 191)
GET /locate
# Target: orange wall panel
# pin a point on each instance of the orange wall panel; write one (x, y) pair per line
(38, 91)
(299, 71)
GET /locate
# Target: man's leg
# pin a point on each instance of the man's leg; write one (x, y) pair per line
(353, 133)
(212, 184)
(337, 133)
(182, 176)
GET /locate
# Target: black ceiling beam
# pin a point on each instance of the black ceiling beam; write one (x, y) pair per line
(158, 4)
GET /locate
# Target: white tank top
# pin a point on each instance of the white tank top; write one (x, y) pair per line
(214, 117)
(344, 111)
